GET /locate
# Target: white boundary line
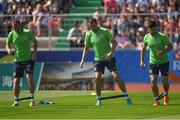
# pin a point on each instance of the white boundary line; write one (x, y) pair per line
(40, 74)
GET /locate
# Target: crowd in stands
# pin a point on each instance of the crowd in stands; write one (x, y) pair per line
(33, 14)
(130, 29)
(124, 18)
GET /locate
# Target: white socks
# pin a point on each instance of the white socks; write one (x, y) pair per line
(32, 95)
(16, 99)
(98, 97)
(126, 95)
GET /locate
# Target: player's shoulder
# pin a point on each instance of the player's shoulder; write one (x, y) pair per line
(102, 28)
(89, 32)
(146, 36)
(11, 32)
(26, 30)
(161, 34)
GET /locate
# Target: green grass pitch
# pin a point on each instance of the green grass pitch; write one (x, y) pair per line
(81, 105)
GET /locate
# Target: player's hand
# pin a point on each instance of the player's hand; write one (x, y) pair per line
(9, 51)
(82, 64)
(143, 65)
(160, 53)
(109, 56)
(79, 41)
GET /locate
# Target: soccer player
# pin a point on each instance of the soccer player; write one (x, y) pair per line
(104, 45)
(21, 39)
(159, 46)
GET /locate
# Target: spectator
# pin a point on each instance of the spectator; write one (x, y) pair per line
(132, 37)
(67, 4)
(56, 20)
(131, 2)
(110, 6)
(122, 40)
(139, 39)
(176, 37)
(108, 23)
(39, 19)
(141, 3)
(97, 15)
(75, 36)
(7, 20)
(119, 4)
(4, 6)
(122, 24)
(85, 26)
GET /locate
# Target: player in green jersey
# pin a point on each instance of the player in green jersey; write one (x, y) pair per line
(104, 46)
(159, 46)
(21, 39)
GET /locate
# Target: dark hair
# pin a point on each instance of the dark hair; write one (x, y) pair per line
(76, 23)
(93, 21)
(16, 21)
(151, 24)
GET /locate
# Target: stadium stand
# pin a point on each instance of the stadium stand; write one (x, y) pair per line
(82, 7)
(52, 19)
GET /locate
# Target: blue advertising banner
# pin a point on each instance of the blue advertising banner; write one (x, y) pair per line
(128, 62)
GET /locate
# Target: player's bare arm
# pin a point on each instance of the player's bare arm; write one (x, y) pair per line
(143, 51)
(114, 45)
(8, 48)
(85, 51)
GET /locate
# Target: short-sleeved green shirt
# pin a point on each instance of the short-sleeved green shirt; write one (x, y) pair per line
(22, 44)
(99, 40)
(156, 43)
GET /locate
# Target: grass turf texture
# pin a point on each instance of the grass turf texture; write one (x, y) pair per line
(81, 105)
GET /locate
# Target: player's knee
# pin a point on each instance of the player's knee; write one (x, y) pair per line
(116, 77)
(29, 77)
(17, 81)
(98, 77)
(153, 82)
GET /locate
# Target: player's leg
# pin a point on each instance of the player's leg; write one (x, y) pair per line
(31, 88)
(29, 68)
(98, 76)
(111, 65)
(122, 86)
(99, 70)
(31, 83)
(165, 84)
(164, 72)
(154, 71)
(155, 89)
(18, 74)
(119, 81)
(166, 89)
(16, 91)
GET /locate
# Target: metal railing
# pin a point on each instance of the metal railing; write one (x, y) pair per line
(53, 29)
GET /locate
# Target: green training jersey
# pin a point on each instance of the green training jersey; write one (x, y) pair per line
(22, 44)
(156, 43)
(99, 40)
